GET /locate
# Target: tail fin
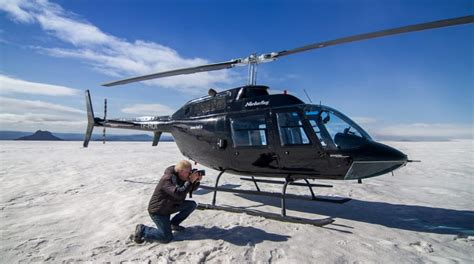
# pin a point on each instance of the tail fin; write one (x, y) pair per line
(90, 119)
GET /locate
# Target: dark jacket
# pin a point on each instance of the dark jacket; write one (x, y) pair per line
(170, 193)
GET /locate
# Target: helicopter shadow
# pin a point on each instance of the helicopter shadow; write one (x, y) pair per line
(237, 235)
(400, 216)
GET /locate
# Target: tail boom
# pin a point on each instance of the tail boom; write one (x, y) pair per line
(156, 124)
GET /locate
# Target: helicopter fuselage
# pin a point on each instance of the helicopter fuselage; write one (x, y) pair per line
(250, 132)
(247, 131)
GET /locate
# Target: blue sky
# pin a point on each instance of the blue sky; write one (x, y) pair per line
(415, 84)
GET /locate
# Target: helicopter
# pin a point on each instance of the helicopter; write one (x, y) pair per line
(248, 131)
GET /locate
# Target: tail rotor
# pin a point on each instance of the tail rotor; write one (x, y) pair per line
(105, 120)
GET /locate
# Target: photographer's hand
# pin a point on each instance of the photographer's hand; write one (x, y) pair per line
(195, 177)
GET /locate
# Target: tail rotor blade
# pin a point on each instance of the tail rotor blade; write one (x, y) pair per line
(105, 120)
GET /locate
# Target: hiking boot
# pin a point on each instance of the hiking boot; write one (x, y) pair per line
(137, 236)
(177, 227)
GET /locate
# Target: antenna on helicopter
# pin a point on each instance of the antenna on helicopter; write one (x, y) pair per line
(105, 120)
(311, 101)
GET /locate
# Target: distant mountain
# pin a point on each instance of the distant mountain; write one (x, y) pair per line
(40, 135)
(12, 135)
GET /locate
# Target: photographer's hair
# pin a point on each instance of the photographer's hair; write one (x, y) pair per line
(181, 165)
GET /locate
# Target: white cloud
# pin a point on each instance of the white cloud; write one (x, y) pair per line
(33, 122)
(29, 115)
(423, 130)
(109, 54)
(12, 85)
(148, 109)
(16, 10)
(364, 120)
(11, 105)
(39, 119)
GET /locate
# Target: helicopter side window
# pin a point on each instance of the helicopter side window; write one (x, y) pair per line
(317, 131)
(316, 119)
(219, 103)
(246, 92)
(291, 129)
(249, 131)
(204, 107)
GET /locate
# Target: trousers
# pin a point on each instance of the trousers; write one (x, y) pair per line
(162, 232)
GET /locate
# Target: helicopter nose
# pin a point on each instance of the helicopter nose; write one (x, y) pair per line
(375, 151)
(375, 159)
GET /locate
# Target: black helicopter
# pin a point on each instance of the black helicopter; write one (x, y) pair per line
(247, 131)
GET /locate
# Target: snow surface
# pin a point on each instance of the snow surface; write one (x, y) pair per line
(60, 202)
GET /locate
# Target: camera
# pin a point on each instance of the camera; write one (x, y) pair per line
(200, 172)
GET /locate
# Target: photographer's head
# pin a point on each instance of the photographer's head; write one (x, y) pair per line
(183, 169)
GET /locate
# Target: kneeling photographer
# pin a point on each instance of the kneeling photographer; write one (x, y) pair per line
(169, 198)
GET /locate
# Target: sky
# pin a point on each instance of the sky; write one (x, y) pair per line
(411, 85)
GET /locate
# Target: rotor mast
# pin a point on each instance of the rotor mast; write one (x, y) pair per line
(252, 69)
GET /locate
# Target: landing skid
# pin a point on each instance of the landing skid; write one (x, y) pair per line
(282, 195)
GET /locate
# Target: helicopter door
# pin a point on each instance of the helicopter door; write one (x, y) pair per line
(297, 150)
(251, 144)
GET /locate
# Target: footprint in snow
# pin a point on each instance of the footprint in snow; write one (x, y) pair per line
(422, 247)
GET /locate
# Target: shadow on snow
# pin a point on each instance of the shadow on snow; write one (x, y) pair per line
(237, 235)
(401, 216)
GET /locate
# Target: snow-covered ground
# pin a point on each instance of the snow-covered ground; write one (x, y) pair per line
(60, 202)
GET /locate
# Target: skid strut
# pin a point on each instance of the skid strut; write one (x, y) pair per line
(255, 182)
(288, 180)
(215, 187)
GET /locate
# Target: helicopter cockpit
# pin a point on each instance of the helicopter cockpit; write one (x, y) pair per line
(335, 130)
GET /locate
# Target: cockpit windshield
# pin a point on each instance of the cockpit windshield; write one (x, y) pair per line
(335, 130)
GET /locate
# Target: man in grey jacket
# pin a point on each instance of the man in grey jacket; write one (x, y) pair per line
(169, 198)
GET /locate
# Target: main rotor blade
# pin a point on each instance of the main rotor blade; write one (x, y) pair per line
(190, 70)
(274, 55)
(382, 33)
